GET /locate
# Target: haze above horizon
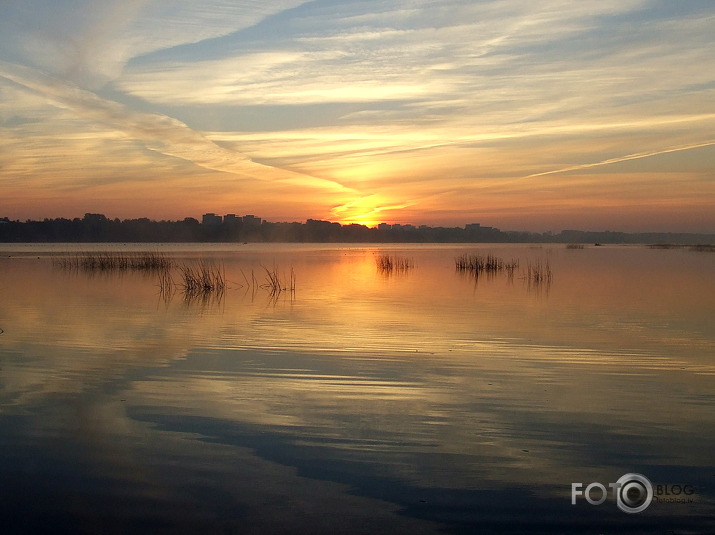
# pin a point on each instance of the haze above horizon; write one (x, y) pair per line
(525, 115)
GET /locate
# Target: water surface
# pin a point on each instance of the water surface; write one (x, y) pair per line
(425, 401)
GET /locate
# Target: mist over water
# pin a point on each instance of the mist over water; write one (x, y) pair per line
(420, 400)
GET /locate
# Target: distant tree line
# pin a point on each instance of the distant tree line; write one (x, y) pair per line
(99, 228)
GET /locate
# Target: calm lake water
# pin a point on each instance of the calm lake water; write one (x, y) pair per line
(418, 401)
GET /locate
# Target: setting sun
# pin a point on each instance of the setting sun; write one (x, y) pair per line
(369, 211)
(360, 220)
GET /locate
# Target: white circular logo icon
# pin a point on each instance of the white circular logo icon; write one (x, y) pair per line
(634, 493)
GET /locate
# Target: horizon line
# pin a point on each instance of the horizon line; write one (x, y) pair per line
(404, 226)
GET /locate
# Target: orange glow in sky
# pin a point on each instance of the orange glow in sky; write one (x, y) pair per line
(515, 114)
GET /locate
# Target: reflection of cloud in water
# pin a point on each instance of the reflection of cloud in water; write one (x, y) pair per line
(119, 473)
(411, 407)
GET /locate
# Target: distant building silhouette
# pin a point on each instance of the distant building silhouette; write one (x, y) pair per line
(232, 228)
(211, 219)
(94, 218)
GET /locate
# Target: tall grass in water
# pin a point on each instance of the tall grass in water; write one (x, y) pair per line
(535, 273)
(114, 261)
(387, 263)
(538, 273)
(701, 248)
(206, 282)
(203, 282)
(275, 284)
(477, 264)
(166, 283)
(203, 277)
(666, 246)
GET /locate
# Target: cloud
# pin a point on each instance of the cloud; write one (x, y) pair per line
(79, 40)
(625, 158)
(90, 42)
(363, 52)
(379, 154)
(158, 132)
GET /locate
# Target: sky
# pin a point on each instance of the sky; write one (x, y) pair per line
(549, 115)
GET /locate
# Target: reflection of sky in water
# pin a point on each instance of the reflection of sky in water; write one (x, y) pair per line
(366, 400)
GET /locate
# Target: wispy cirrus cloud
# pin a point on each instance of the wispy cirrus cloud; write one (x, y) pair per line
(625, 158)
(362, 51)
(158, 132)
(89, 42)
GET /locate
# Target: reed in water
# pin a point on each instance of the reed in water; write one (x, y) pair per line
(539, 273)
(387, 263)
(277, 284)
(477, 264)
(114, 261)
(203, 277)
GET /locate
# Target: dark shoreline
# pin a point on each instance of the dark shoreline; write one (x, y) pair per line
(97, 228)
